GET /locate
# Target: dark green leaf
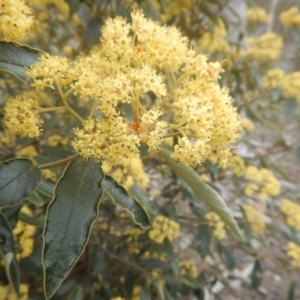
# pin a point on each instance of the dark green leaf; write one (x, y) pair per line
(46, 188)
(13, 58)
(291, 294)
(7, 245)
(119, 196)
(18, 179)
(35, 221)
(70, 217)
(256, 275)
(230, 260)
(35, 199)
(290, 108)
(203, 191)
(144, 201)
(204, 247)
(77, 293)
(12, 215)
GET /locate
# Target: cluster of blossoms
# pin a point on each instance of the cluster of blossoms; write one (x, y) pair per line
(290, 17)
(7, 293)
(265, 48)
(215, 40)
(248, 125)
(188, 269)
(264, 182)
(163, 227)
(24, 236)
(22, 116)
(136, 294)
(217, 224)
(132, 240)
(293, 252)
(255, 219)
(172, 91)
(257, 15)
(292, 212)
(288, 83)
(16, 20)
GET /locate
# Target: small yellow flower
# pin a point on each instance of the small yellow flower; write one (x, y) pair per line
(21, 115)
(248, 125)
(217, 224)
(16, 20)
(292, 212)
(255, 219)
(163, 227)
(290, 17)
(237, 165)
(257, 15)
(273, 79)
(293, 252)
(188, 268)
(265, 48)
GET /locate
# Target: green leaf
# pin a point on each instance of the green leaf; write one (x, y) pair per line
(119, 196)
(203, 191)
(77, 293)
(35, 199)
(291, 294)
(18, 179)
(7, 245)
(13, 58)
(69, 220)
(35, 221)
(46, 188)
(139, 196)
(205, 235)
(290, 108)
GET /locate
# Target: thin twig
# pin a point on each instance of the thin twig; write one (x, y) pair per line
(57, 163)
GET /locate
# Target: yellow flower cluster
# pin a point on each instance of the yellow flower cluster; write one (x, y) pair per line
(188, 268)
(130, 172)
(218, 225)
(29, 151)
(60, 4)
(132, 239)
(24, 237)
(130, 62)
(163, 227)
(6, 292)
(265, 48)
(273, 78)
(248, 125)
(177, 7)
(56, 140)
(215, 40)
(16, 20)
(293, 252)
(7, 138)
(292, 212)
(265, 183)
(156, 255)
(21, 115)
(255, 219)
(290, 17)
(290, 85)
(257, 15)
(237, 164)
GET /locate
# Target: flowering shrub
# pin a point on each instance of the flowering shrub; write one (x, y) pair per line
(148, 150)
